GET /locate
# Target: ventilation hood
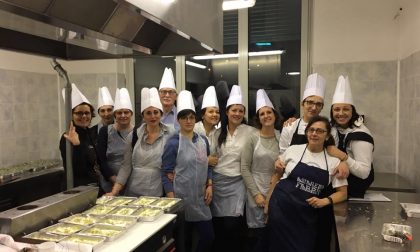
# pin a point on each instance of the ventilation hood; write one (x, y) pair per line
(100, 29)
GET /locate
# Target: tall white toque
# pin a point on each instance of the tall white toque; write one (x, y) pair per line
(77, 97)
(315, 85)
(150, 98)
(168, 80)
(235, 96)
(342, 93)
(122, 100)
(210, 98)
(263, 100)
(185, 101)
(104, 97)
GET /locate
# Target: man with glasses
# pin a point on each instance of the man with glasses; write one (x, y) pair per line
(105, 109)
(167, 94)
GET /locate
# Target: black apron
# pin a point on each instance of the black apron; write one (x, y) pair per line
(293, 223)
(356, 186)
(298, 139)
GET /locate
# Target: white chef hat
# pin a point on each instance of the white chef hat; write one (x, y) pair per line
(77, 97)
(168, 80)
(150, 98)
(235, 96)
(263, 100)
(185, 101)
(122, 100)
(342, 93)
(104, 97)
(210, 98)
(315, 85)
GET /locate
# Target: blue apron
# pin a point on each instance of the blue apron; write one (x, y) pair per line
(293, 222)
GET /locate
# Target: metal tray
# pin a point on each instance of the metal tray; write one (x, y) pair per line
(120, 221)
(63, 229)
(45, 237)
(99, 210)
(165, 204)
(120, 201)
(123, 210)
(148, 214)
(104, 199)
(143, 201)
(107, 231)
(81, 219)
(78, 239)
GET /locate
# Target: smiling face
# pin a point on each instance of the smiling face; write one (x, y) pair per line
(82, 115)
(151, 116)
(105, 112)
(235, 114)
(266, 116)
(167, 97)
(123, 116)
(211, 115)
(342, 113)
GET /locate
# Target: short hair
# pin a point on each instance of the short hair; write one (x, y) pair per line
(257, 122)
(92, 110)
(184, 113)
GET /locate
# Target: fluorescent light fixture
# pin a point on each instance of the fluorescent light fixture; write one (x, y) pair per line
(237, 4)
(193, 64)
(293, 73)
(235, 55)
(206, 46)
(182, 34)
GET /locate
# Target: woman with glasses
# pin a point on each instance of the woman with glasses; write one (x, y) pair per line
(300, 194)
(354, 140)
(83, 140)
(257, 167)
(114, 139)
(140, 172)
(185, 157)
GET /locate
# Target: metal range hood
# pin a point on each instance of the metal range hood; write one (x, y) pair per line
(100, 29)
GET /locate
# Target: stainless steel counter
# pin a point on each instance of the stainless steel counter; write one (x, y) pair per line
(385, 181)
(359, 225)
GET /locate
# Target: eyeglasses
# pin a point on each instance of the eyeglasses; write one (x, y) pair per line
(81, 113)
(316, 104)
(167, 92)
(316, 130)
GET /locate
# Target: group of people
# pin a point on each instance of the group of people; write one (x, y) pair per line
(230, 175)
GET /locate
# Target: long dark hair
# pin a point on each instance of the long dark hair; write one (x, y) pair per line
(257, 122)
(224, 123)
(354, 117)
(327, 125)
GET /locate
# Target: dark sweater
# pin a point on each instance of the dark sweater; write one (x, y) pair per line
(84, 156)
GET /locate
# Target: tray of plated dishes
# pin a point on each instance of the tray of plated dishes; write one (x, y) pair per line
(148, 213)
(143, 201)
(74, 241)
(81, 219)
(99, 210)
(63, 229)
(45, 237)
(107, 231)
(119, 201)
(120, 221)
(104, 199)
(123, 210)
(166, 204)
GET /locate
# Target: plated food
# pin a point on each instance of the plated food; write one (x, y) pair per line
(107, 231)
(148, 214)
(120, 221)
(104, 199)
(165, 203)
(124, 210)
(143, 201)
(63, 229)
(99, 210)
(81, 219)
(84, 239)
(45, 237)
(120, 201)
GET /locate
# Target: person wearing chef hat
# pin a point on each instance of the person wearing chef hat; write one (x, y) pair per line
(114, 139)
(185, 155)
(257, 161)
(228, 187)
(167, 94)
(209, 120)
(105, 108)
(140, 172)
(82, 138)
(353, 139)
